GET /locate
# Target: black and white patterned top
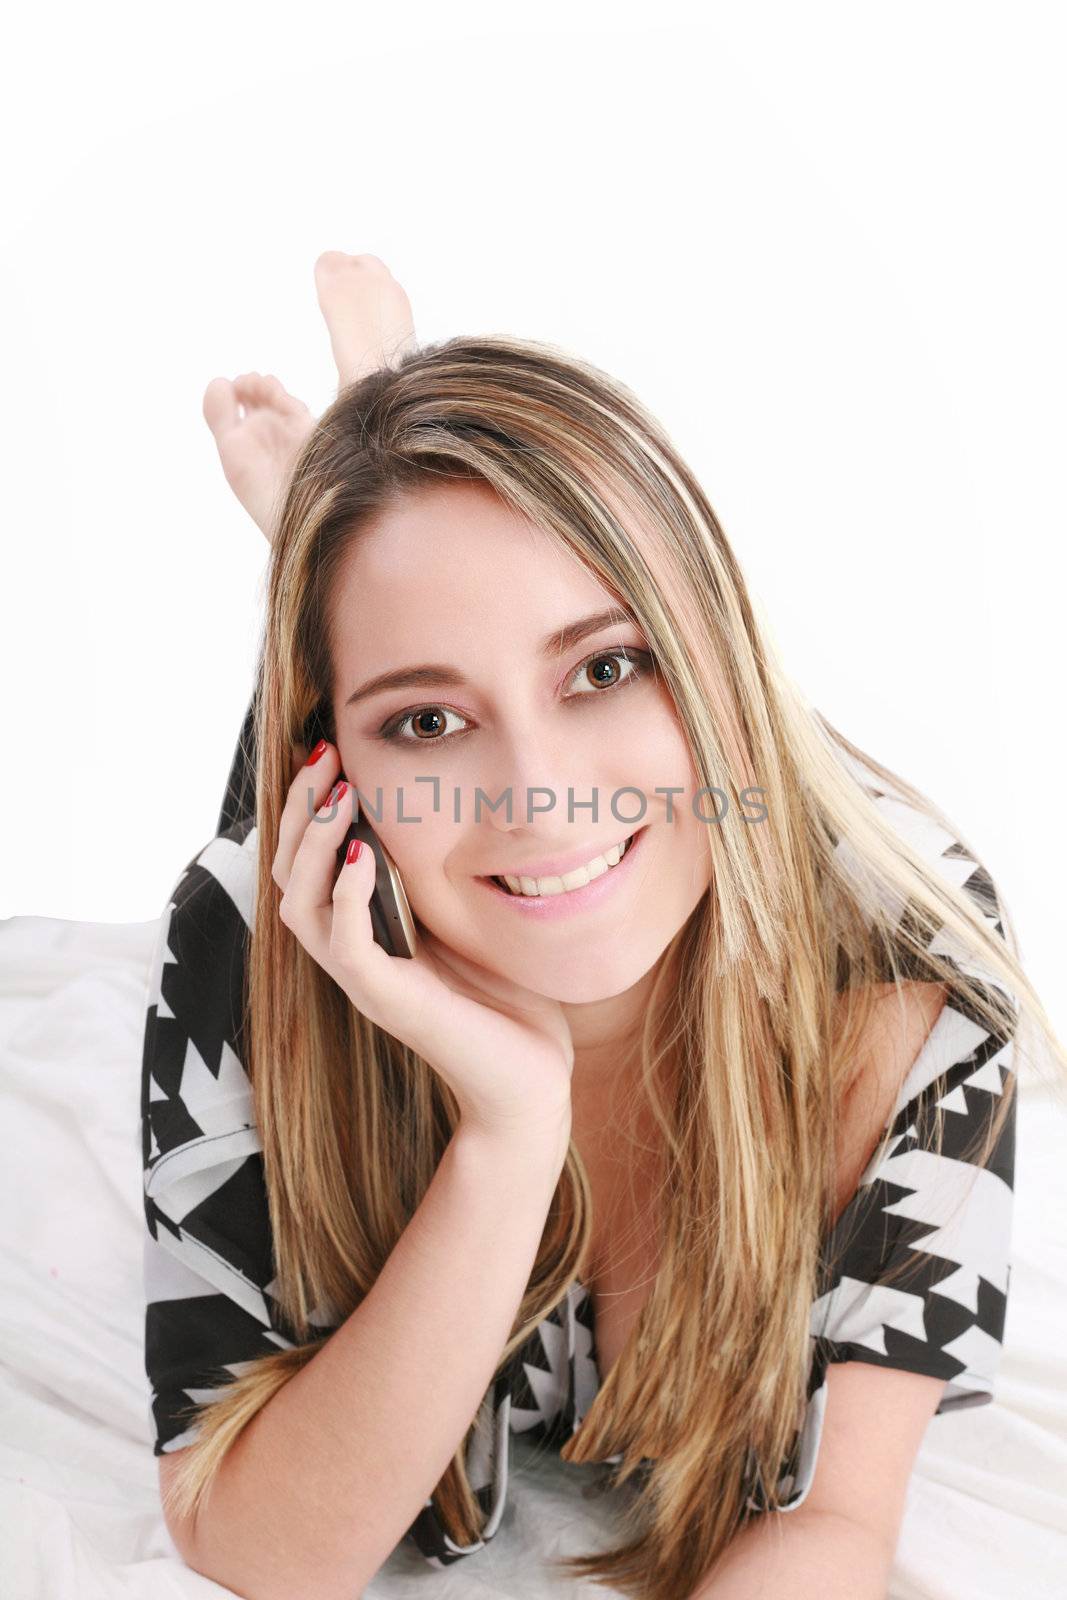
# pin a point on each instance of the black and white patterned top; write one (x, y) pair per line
(208, 1253)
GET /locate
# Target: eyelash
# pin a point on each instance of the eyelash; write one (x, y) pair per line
(391, 734)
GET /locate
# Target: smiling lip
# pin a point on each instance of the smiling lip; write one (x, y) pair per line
(557, 866)
(550, 906)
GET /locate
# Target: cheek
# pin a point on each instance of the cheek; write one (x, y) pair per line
(660, 767)
(420, 850)
(399, 810)
(690, 838)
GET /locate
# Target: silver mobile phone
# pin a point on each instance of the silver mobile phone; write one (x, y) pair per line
(390, 914)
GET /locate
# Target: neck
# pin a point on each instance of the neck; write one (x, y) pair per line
(607, 1033)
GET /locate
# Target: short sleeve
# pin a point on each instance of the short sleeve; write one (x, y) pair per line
(923, 1275)
(207, 1253)
(921, 1255)
(918, 1265)
(487, 1461)
(208, 1248)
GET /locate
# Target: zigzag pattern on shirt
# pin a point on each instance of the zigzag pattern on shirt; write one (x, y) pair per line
(208, 1254)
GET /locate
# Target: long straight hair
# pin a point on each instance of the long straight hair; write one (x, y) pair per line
(759, 1002)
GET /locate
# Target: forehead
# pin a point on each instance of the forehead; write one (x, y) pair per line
(442, 568)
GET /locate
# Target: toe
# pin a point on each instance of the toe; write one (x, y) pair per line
(282, 398)
(330, 261)
(255, 390)
(334, 265)
(249, 383)
(219, 405)
(339, 261)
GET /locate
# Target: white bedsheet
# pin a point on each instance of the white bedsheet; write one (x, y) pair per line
(79, 1506)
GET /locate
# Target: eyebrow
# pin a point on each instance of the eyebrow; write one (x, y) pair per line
(439, 674)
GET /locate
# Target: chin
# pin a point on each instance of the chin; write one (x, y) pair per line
(584, 981)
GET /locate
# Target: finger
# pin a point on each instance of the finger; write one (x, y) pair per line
(307, 791)
(352, 933)
(309, 891)
(380, 985)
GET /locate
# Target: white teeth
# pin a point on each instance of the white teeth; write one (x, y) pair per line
(570, 880)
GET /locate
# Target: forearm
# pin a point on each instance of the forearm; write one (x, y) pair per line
(328, 1477)
(806, 1556)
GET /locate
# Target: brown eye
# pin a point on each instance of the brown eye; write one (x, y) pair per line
(433, 716)
(603, 672)
(601, 676)
(427, 723)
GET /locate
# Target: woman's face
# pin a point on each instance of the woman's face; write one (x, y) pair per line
(451, 585)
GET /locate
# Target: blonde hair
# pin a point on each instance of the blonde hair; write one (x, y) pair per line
(759, 1001)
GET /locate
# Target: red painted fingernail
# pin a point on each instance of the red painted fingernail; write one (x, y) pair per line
(355, 846)
(319, 750)
(340, 792)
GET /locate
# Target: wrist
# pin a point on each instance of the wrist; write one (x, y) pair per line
(536, 1140)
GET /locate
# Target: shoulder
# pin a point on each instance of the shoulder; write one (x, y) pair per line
(221, 876)
(918, 1032)
(204, 928)
(919, 823)
(902, 1020)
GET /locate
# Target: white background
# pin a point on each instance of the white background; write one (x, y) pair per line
(825, 244)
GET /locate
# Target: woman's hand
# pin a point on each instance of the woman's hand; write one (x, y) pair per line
(259, 427)
(504, 1051)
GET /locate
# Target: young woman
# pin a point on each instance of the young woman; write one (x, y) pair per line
(684, 1141)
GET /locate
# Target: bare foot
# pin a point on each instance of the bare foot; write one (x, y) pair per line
(367, 313)
(259, 428)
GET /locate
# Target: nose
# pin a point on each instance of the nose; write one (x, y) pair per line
(538, 773)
